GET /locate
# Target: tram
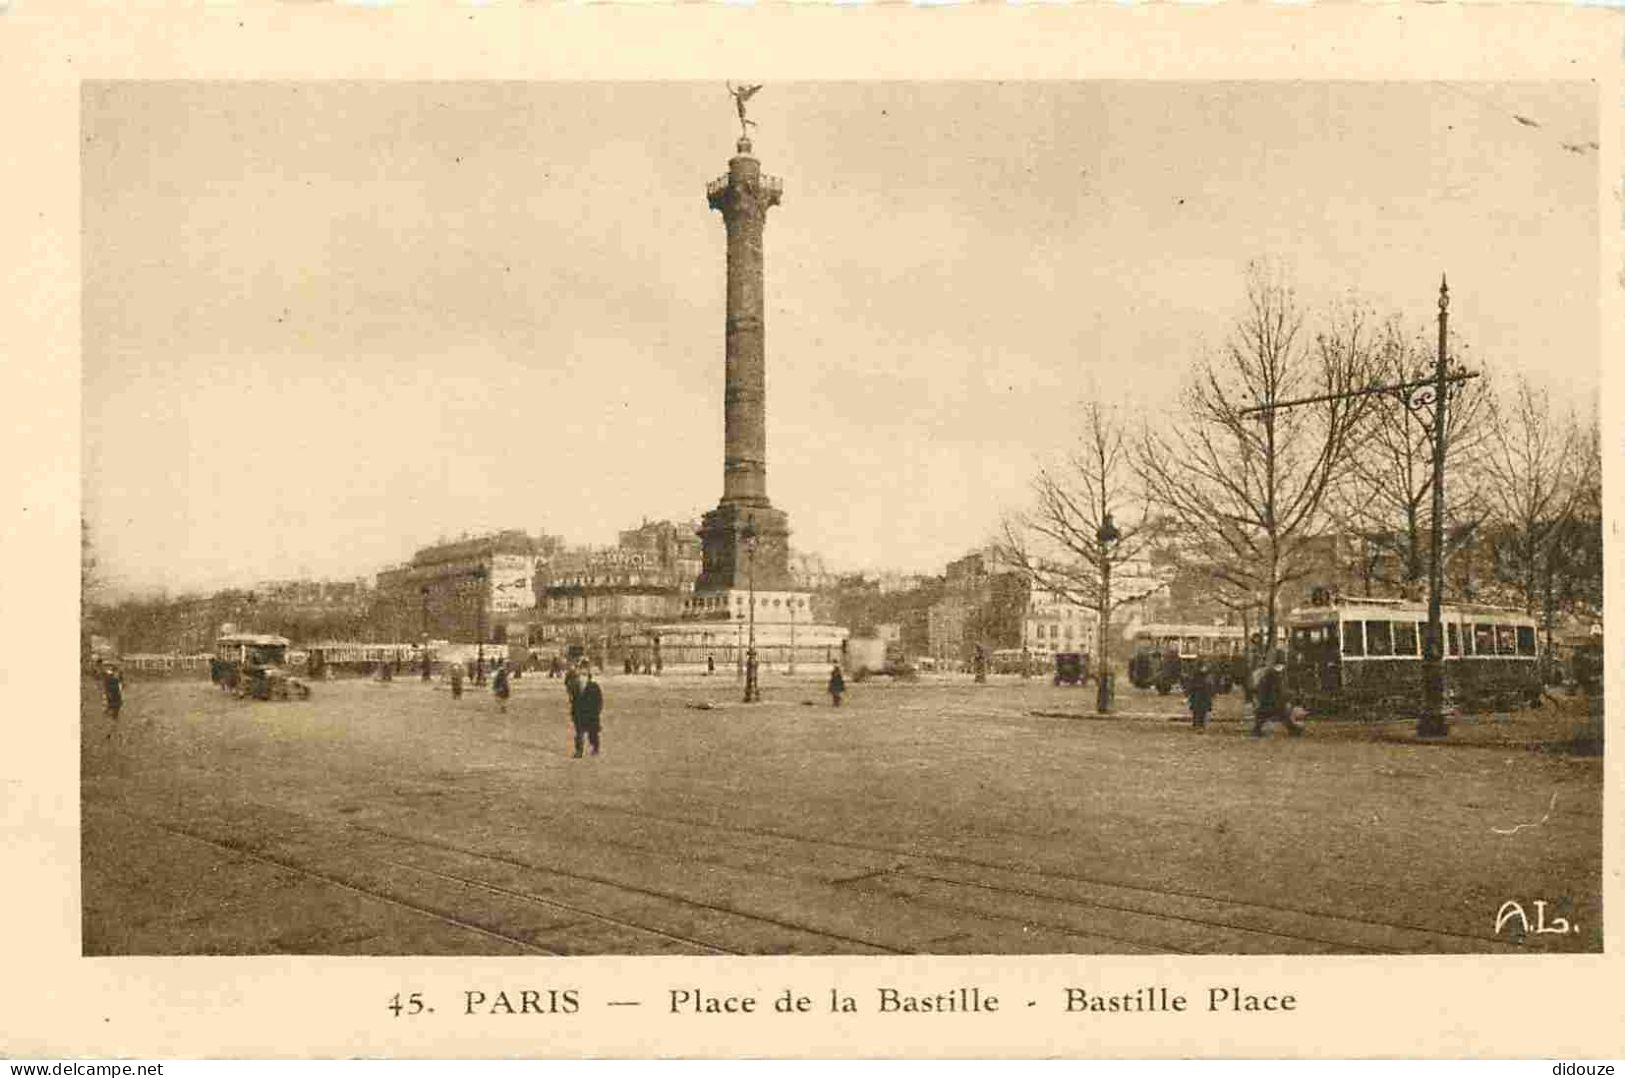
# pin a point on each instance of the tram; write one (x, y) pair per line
(1363, 657)
(1162, 651)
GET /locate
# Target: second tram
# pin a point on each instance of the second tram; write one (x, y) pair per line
(1363, 657)
(1162, 651)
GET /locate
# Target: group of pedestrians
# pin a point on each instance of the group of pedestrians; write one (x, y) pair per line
(1266, 688)
(585, 695)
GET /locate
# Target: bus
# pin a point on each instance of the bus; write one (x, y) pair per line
(1162, 650)
(255, 664)
(1363, 657)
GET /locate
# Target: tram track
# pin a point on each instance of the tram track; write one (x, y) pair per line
(1478, 943)
(617, 922)
(704, 946)
(896, 881)
(240, 850)
(656, 893)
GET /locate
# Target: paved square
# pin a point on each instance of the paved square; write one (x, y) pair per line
(934, 817)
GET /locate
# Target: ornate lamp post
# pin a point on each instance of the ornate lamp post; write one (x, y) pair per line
(479, 625)
(425, 591)
(1106, 536)
(1432, 722)
(753, 692)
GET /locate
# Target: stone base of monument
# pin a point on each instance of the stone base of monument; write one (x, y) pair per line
(723, 634)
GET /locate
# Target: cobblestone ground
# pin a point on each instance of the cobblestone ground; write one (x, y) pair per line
(933, 817)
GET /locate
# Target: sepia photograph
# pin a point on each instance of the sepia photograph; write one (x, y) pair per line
(897, 517)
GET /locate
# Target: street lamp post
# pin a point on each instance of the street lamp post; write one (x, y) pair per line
(425, 632)
(1105, 536)
(1432, 723)
(792, 666)
(479, 625)
(753, 692)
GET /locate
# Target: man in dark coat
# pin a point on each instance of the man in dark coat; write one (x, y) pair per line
(586, 711)
(1199, 694)
(837, 684)
(1270, 703)
(113, 688)
(456, 675)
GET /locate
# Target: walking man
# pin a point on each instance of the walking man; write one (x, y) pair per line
(1199, 694)
(586, 711)
(1270, 699)
(456, 674)
(499, 686)
(837, 685)
(113, 689)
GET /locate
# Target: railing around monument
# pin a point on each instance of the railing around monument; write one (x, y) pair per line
(770, 185)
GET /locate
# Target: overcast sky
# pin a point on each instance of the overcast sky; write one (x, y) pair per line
(328, 323)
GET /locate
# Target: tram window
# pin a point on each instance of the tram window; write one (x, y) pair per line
(1353, 639)
(1404, 638)
(1526, 640)
(1506, 641)
(1311, 642)
(1453, 638)
(1379, 638)
(1483, 639)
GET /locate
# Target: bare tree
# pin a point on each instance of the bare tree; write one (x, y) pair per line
(1545, 474)
(1386, 496)
(1245, 489)
(1085, 524)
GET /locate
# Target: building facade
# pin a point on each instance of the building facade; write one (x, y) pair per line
(472, 591)
(602, 601)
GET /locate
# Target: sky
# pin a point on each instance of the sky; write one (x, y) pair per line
(325, 324)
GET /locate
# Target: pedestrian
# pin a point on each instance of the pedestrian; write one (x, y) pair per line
(1199, 694)
(572, 686)
(1241, 674)
(837, 685)
(555, 667)
(710, 665)
(456, 681)
(586, 711)
(499, 686)
(113, 690)
(1270, 703)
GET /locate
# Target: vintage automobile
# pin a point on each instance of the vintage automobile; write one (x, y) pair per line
(1071, 668)
(255, 664)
